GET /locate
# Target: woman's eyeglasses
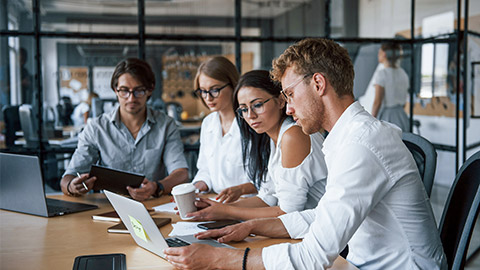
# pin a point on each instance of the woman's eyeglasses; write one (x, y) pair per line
(138, 92)
(257, 108)
(212, 92)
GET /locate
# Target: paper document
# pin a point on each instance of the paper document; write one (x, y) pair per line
(168, 207)
(186, 228)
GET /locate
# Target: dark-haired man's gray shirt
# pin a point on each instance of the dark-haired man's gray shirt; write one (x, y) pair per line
(106, 141)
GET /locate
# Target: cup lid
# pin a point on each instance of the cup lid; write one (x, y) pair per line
(183, 188)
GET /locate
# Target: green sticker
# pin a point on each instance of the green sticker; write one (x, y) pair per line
(138, 228)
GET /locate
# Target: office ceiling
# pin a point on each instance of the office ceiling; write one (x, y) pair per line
(201, 8)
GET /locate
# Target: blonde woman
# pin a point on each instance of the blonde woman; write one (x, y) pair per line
(220, 167)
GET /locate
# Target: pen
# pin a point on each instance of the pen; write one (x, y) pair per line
(83, 183)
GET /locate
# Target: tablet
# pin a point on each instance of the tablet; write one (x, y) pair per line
(115, 180)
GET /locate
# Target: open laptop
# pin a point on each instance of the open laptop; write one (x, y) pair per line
(22, 189)
(144, 231)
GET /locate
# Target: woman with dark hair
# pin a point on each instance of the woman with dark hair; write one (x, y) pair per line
(287, 165)
(391, 87)
(219, 164)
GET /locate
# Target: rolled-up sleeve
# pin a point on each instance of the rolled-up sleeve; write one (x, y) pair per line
(173, 156)
(86, 154)
(297, 224)
(350, 196)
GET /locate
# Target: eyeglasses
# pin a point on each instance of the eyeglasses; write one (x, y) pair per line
(256, 107)
(288, 97)
(212, 92)
(137, 92)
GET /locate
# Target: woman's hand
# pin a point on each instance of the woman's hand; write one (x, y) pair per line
(210, 210)
(230, 194)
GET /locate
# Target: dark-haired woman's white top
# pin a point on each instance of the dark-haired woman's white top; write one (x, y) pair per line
(220, 163)
(298, 188)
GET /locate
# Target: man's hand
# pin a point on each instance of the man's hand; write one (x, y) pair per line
(201, 256)
(144, 192)
(230, 194)
(77, 185)
(210, 210)
(237, 232)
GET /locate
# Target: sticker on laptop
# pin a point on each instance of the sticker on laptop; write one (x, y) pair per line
(138, 229)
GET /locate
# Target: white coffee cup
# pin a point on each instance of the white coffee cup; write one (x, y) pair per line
(184, 196)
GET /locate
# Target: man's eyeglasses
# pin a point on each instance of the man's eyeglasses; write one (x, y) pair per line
(257, 108)
(288, 96)
(138, 92)
(212, 92)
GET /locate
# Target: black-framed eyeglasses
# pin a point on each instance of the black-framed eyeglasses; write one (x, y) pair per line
(137, 92)
(289, 96)
(212, 92)
(257, 107)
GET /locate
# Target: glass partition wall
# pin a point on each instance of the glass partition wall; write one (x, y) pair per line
(54, 53)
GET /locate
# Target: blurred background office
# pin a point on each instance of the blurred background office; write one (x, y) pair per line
(55, 53)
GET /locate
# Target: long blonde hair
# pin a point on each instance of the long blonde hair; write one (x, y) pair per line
(218, 68)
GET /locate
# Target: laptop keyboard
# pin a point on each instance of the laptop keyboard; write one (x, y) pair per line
(176, 242)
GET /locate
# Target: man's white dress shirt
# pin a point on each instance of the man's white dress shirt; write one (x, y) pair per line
(219, 162)
(297, 188)
(374, 201)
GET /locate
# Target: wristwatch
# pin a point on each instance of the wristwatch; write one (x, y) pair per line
(160, 189)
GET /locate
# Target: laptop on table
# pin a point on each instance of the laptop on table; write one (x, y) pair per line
(143, 229)
(22, 189)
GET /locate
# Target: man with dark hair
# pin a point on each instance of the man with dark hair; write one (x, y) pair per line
(374, 200)
(133, 137)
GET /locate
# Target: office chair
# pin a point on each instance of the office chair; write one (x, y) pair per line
(425, 157)
(12, 124)
(30, 127)
(30, 132)
(461, 212)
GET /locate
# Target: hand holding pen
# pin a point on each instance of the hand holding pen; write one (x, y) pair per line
(83, 183)
(79, 185)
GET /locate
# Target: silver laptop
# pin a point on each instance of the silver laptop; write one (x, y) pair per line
(22, 189)
(143, 229)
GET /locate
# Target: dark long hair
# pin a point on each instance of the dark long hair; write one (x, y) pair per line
(255, 147)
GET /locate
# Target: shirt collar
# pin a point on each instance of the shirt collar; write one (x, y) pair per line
(234, 128)
(115, 116)
(338, 132)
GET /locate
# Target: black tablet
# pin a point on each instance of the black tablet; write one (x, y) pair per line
(116, 261)
(115, 180)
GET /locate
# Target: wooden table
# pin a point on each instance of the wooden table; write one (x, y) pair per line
(32, 242)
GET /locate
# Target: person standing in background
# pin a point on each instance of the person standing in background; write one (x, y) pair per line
(391, 87)
(25, 79)
(220, 167)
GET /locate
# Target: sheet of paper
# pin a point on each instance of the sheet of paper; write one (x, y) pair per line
(186, 228)
(168, 207)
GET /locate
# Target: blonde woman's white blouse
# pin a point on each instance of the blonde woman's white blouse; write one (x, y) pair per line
(220, 162)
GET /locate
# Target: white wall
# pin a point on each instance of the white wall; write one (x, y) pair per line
(384, 18)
